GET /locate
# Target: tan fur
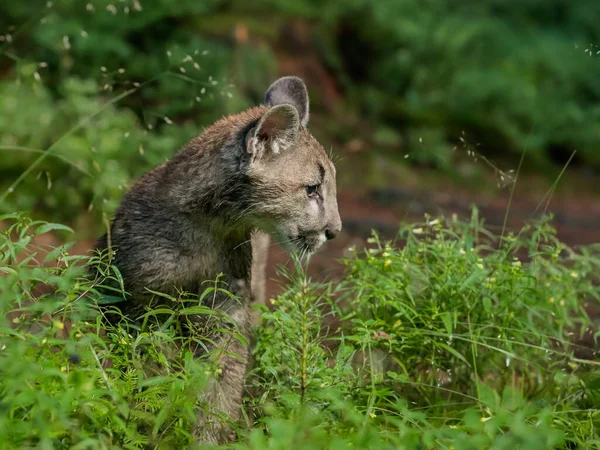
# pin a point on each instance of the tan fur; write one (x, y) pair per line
(260, 253)
(196, 216)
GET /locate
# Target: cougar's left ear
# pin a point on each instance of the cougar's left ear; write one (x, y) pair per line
(291, 91)
(274, 133)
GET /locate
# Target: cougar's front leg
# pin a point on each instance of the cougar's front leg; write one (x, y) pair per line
(260, 252)
(223, 398)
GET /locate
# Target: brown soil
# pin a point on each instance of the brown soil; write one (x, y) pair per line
(384, 210)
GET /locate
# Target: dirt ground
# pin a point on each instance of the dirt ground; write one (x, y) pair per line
(576, 218)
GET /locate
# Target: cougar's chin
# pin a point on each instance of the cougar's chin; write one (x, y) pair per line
(304, 244)
(297, 242)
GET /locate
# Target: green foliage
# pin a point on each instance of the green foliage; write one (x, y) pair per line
(454, 339)
(515, 75)
(90, 92)
(476, 302)
(130, 41)
(101, 83)
(448, 341)
(69, 380)
(93, 149)
(83, 154)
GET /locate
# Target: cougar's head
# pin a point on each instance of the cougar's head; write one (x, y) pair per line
(291, 177)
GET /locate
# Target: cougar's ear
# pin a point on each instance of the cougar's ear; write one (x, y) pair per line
(291, 91)
(274, 133)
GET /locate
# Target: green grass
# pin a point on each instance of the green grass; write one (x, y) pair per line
(454, 339)
(448, 337)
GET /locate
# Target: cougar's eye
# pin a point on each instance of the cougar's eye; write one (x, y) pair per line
(312, 190)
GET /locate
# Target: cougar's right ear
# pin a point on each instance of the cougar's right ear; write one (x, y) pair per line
(291, 91)
(274, 133)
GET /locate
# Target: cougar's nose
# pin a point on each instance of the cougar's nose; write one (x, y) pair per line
(334, 225)
(332, 230)
(331, 233)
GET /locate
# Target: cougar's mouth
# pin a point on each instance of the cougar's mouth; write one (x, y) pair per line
(305, 244)
(301, 242)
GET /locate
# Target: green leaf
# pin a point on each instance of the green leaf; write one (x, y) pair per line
(56, 252)
(200, 309)
(453, 351)
(154, 381)
(447, 322)
(487, 304)
(156, 312)
(106, 299)
(52, 227)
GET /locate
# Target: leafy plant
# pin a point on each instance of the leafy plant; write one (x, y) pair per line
(449, 341)
(70, 379)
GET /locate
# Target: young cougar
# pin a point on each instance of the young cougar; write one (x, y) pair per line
(193, 218)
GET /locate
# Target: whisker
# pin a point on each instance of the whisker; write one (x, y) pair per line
(239, 245)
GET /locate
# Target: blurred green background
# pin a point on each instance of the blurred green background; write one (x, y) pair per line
(429, 107)
(406, 92)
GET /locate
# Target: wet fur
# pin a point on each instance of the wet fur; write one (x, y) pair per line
(194, 217)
